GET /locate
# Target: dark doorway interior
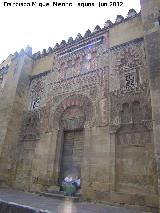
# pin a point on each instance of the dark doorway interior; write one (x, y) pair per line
(72, 154)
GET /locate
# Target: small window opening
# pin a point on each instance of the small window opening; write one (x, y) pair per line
(1, 79)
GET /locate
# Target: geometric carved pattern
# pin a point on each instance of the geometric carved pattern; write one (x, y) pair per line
(36, 87)
(129, 58)
(134, 138)
(35, 103)
(61, 72)
(129, 65)
(78, 83)
(130, 81)
(77, 66)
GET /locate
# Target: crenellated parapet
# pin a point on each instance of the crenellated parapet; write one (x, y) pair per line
(131, 13)
(22, 52)
(79, 38)
(87, 36)
(119, 19)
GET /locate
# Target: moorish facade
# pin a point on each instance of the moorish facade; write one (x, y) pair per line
(87, 107)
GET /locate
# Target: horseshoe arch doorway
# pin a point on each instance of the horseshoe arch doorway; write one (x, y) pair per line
(72, 122)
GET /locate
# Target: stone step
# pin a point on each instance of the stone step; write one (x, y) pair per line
(60, 195)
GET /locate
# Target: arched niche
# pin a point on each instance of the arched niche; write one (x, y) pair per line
(72, 118)
(72, 103)
(72, 115)
(125, 114)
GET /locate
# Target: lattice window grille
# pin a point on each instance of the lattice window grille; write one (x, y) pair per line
(35, 104)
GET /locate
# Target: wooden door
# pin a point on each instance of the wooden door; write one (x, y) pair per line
(72, 154)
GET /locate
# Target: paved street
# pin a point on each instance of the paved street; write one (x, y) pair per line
(58, 206)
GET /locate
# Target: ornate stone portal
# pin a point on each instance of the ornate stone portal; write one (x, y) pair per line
(73, 113)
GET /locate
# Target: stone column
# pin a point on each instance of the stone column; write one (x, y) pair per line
(112, 162)
(151, 23)
(59, 149)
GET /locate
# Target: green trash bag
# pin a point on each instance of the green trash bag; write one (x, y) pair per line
(69, 189)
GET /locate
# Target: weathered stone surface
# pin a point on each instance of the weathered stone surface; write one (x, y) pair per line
(150, 18)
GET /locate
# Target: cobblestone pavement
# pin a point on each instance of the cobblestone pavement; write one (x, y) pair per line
(58, 206)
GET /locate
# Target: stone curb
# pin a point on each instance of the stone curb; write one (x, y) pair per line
(11, 207)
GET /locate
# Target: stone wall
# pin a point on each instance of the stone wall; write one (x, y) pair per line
(13, 96)
(98, 84)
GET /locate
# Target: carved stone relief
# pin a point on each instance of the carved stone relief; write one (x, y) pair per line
(72, 118)
(130, 111)
(79, 83)
(129, 81)
(133, 138)
(72, 104)
(77, 65)
(30, 128)
(38, 92)
(128, 67)
(129, 57)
